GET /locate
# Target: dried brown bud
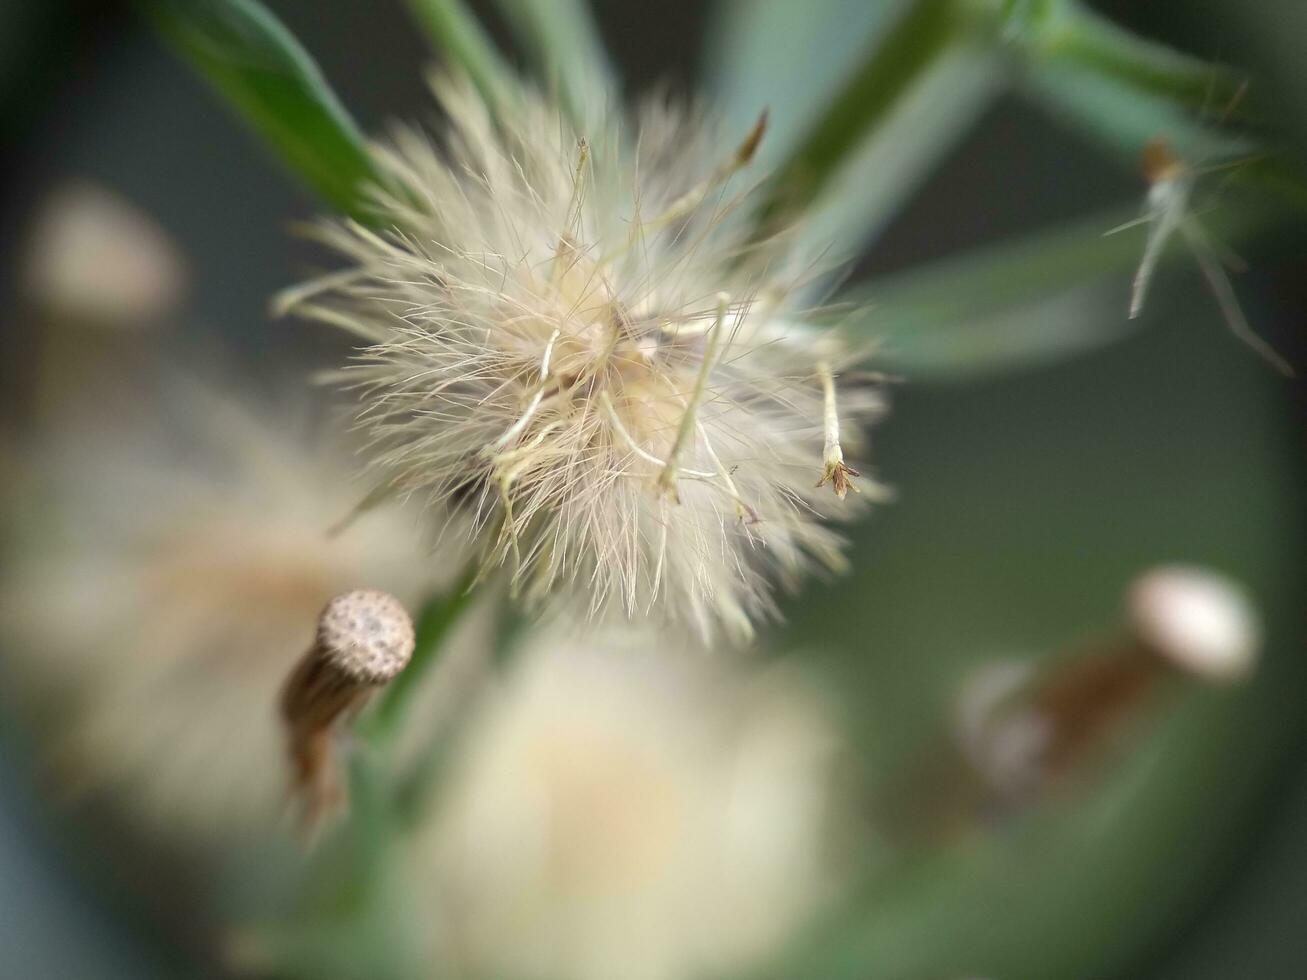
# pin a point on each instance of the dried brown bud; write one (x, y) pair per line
(1159, 162)
(837, 474)
(364, 639)
(1180, 620)
(1028, 729)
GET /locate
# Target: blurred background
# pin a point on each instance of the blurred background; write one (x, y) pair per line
(1029, 496)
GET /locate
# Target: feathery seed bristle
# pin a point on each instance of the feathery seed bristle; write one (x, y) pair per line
(580, 354)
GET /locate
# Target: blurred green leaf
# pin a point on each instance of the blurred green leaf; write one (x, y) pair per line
(1124, 91)
(1036, 298)
(464, 43)
(1124, 119)
(899, 57)
(1043, 329)
(564, 42)
(1066, 33)
(1043, 297)
(926, 79)
(352, 916)
(760, 54)
(929, 68)
(253, 62)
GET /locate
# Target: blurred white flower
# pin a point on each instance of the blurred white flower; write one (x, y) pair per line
(577, 340)
(621, 809)
(95, 258)
(162, 581)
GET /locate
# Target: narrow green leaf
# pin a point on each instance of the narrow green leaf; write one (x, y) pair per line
(934, 68)
(868, 185)
(464, 43)
(253, 62)
(1045, 329)
(1042, 297)
(562, 38)
(1125, 90)
(1124, 120)
(900, 57)
(1037, 298)
(926, 80)
(1065, 32)
(759, 54)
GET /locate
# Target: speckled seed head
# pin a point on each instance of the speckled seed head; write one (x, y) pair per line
(367, 635)
(1199, 621)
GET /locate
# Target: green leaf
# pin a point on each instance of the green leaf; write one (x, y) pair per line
(253, 62)
(899, 58)
(1126, 90)
(758, 54)
(463, 42)
(867, 187)
(1037, 298)
(926, 80)
(1044, 297)
(562, 38)
(1124, 120)
(1065, 33)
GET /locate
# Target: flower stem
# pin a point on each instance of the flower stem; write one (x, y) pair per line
(435, 622)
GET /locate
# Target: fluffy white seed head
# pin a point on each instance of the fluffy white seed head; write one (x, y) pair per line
(576, 344)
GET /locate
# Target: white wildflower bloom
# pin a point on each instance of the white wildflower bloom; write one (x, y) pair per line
(580, 344)
(94, 257)
(617, 810)
(173, 576)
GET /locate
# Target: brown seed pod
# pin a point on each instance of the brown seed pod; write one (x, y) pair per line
(364, 639)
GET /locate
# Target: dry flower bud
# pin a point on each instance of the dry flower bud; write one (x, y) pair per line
(364, 639)
(1023, 728)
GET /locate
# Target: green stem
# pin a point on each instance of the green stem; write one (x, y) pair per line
(1069, 33)
(1126, 90)
(438, 618)
(901, 55)
(420, 789)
